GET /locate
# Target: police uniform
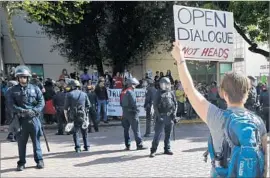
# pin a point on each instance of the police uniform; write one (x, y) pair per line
(58, 102)
(92, 111)
(130, 114)
(73, 99)
(165, 115)
(149, 98)
(28, 103)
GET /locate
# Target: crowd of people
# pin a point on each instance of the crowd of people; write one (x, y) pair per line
(50, 88)
(238, 137)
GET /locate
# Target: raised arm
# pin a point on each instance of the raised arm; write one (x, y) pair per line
(197, 100)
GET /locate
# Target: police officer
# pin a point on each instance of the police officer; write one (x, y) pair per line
(93, 107)
(76, 108)
(251, 102)
(148, 104)
(10, 115)
(27, 103)
(58, 102)
(165, 106)
(264, 101)
(130, 114)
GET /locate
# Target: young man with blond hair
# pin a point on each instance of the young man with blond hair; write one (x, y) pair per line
(234, 89)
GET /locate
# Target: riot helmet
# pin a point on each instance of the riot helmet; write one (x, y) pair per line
(73, 84)
(165, 83)
(22, 71)
(132, 82)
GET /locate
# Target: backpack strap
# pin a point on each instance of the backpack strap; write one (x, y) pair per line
(78, 99)
(228, 119)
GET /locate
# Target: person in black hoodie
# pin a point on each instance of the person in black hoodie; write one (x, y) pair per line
(102, 99)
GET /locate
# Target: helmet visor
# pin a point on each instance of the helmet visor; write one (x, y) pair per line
(165, 86)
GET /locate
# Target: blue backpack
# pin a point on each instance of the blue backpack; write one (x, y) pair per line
(242, 154)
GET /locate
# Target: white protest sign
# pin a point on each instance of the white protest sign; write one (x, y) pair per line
(204, 34)
(114, 108)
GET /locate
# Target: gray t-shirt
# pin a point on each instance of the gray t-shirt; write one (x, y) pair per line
(215, 121)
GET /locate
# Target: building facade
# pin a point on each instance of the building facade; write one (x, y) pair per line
(36, 50)
(248, 62)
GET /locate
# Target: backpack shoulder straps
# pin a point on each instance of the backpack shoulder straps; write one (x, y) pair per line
(77, 101)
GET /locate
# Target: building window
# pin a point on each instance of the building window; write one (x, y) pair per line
(224, 68)
(35, 68)
(202, 71)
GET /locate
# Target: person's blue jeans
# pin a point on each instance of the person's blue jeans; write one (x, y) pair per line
(100, 104)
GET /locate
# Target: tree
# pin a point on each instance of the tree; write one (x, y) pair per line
(119, 33)
(75, 26)
(9, 9)
(251, 20)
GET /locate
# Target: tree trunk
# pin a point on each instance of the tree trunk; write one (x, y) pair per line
(11, 35)
(99, 62)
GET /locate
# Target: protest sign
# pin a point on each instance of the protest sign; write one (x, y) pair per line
(204, 34)
(114, 108)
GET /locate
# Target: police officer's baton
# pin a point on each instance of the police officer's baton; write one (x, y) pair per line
(174, 131)
(47, 144)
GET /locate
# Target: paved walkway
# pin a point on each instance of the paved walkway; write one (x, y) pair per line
(107, 158)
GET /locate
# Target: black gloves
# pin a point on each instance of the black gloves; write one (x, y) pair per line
(28, 113)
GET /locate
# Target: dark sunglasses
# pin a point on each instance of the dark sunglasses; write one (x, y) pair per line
(23, 77)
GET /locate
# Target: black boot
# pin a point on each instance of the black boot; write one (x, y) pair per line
(152, 154)
(40, 165)
(127, 148)
(141, 147)
(78, 150)
(20, 167)
(168, 152)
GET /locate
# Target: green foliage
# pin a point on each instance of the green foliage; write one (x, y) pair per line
(50, 12)
(252, 17)
(120, 33)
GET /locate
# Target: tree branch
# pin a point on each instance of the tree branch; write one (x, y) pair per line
(253, 46)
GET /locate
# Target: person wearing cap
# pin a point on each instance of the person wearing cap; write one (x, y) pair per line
(131, 114)
(264, 101)
(27, 103)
